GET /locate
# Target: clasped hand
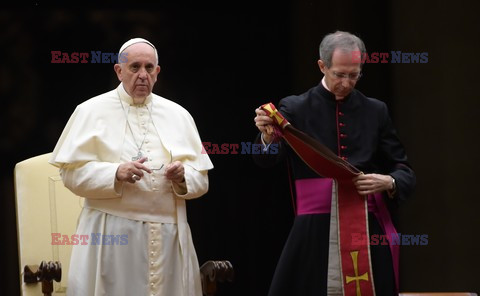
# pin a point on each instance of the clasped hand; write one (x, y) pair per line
(262, 121)
(372, 183)
(134, 171)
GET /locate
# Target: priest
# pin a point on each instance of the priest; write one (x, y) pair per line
(323, 255)
(135, 157)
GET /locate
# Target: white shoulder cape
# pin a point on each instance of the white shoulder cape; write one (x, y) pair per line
(97, 128)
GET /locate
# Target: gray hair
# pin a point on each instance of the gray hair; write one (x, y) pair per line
(341, 40)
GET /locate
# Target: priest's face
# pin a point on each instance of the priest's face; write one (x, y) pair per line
(139, 73)
(343, 73)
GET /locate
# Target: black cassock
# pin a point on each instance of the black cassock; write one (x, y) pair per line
(358, 129)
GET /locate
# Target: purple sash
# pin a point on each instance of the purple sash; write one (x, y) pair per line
(314, 196)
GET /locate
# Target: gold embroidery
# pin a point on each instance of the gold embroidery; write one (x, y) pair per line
(356, 278)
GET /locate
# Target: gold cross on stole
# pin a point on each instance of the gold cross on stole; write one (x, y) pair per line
(356, 278)
(274, 114)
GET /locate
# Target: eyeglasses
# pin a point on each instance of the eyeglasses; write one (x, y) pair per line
(351, 76)
(161, 167)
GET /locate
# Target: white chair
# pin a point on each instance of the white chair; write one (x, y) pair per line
(45, 210)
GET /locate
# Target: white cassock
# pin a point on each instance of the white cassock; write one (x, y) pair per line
(139, 241)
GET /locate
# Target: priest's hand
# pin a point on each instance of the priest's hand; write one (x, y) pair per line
(373, 183)
(132, 171)
(175, 172)
(262, 121)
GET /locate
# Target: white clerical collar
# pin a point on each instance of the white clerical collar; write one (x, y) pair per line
(124, 96)
(326, 87)
(325, 84)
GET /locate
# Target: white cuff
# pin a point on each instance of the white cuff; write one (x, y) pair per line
(265, 146)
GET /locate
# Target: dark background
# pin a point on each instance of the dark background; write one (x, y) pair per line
(221, 63)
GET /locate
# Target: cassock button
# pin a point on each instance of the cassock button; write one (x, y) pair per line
(340, 113)
(343, 136)
(343, 147)
(342, 124)
(344, 158)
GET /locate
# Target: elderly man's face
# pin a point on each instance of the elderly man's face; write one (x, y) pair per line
(340, 77)
(139, 73)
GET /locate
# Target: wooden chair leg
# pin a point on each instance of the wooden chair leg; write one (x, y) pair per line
(212, 272)
(45, 273)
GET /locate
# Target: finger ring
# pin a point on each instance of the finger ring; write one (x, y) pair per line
(135, 177)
